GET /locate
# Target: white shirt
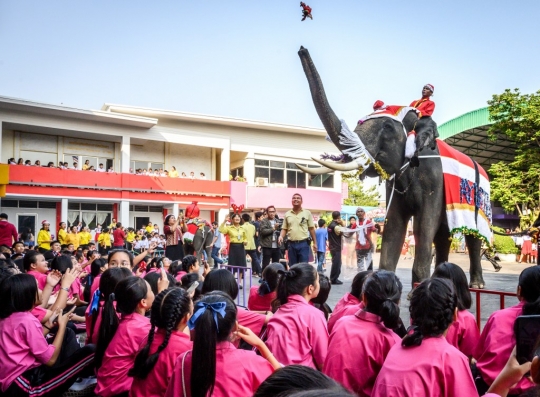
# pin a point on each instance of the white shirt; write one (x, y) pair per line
(101, 170)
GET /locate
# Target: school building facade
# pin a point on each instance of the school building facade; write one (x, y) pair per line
(260, 156)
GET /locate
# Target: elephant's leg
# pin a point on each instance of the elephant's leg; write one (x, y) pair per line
(442, 244)
(475, 246)
(425, 228)
(392, 240)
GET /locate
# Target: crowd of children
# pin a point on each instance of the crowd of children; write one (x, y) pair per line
(156, 327)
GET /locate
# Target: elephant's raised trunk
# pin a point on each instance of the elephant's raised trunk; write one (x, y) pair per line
(331, 123)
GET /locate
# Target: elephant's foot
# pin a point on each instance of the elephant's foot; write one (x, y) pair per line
(477, 282)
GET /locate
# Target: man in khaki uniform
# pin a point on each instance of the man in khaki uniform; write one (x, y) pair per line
(298, 225)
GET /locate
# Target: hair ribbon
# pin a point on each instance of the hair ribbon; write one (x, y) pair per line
(94, 303)
(201, 307)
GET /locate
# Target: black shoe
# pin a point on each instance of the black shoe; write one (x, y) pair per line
(337, 282)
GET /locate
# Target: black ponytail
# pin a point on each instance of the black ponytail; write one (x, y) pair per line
(270, 278)
(293, 282)
(455, 273)
(128, 293)
(187, 262)
(206, 338)
(358, 283)
(529, 281)
(107, 284)
(382, 291)
(432, 308)
(168, 309)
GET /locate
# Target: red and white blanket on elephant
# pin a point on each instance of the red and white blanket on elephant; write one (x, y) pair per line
(466, 190)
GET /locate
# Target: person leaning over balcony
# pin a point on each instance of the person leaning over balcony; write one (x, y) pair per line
(101, 168)
(268, 234)
(86, 165)
(62, 234)
(8, 232)
(298, 225)
(173, 173)
(174, 229)
(44, 237)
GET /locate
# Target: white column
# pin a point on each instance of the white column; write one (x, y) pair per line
(225, 164)
(124, 213)
(64, 210)
(221, 215)
(175, 210)
(249, 169)
(126, 149)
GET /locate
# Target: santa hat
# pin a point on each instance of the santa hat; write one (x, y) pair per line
(431, 87)
(378, 105)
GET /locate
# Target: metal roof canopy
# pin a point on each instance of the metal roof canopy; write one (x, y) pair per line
(468, 134)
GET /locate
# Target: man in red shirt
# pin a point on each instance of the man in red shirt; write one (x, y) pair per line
(119, 236)
(8, 232)
(425, 105)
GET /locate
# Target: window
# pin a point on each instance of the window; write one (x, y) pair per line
(92, 161)
(325, 180)
(146, 165)
(237, 172)
(288, 173)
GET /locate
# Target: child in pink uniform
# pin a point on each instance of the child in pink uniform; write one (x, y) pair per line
(35, 264)
(29, 365)
(359, 344)
(119, 341)
(261, 297)
(498, 340)
(215, 367)
(463, 334)
(154, 364)
(351, 302)
(425, 364)
(297, 332)
(109, 280)
(224, 281)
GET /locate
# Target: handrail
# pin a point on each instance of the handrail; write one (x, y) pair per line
(477, 292)
(246, 274)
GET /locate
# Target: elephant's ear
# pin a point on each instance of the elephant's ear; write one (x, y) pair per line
(426, 133)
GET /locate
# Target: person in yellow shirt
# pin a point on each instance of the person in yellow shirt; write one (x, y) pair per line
(149, 228)
(113, 224)
(238, 239)
(130, 237)
(62, 234)
(44, 237)
(74, 238)
(104, 242)
(85, 236)
(251, 248)
(173, 173)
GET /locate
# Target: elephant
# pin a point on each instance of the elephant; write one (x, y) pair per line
(416, 190)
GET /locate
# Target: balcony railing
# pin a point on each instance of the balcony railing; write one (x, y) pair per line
(54, 177)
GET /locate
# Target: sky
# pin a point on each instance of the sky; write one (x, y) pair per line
(238, 58)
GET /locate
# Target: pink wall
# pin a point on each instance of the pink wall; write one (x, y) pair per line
(239, 193)
(261, 197)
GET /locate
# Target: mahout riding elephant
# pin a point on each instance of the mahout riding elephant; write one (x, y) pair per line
(417, 188)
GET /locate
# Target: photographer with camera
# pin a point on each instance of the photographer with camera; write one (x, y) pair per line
(298, 225)
(269, 234)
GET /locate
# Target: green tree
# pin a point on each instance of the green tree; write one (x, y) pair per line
(358, 195)
(516, 184)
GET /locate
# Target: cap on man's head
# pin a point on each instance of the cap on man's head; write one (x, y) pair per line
(431, 87)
